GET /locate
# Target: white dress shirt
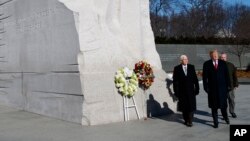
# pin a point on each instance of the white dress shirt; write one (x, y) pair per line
(215, 61)
(184, 67)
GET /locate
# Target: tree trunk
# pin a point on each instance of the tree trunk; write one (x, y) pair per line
(239, 57)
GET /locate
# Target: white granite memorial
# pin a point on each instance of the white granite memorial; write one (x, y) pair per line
(60, 58)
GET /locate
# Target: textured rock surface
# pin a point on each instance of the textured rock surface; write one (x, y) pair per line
(112, 34)
(60, 61)
(38, 67)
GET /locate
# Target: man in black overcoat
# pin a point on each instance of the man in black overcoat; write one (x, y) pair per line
(186, 87)
(216, 83)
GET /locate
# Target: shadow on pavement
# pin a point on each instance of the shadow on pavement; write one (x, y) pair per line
(203, 113)
(177, 117)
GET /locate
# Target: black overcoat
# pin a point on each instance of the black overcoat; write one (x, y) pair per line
(186, 88)
(216, 83)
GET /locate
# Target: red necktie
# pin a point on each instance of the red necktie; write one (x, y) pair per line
(215, 65)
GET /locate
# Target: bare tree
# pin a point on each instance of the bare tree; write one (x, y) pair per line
(160, 7)
(198, 18)
(201, 19)
(238, 50)
(241, 26)
(213, 18)
(159, 10)
(238, 17)
(234, 16)
(178, 25)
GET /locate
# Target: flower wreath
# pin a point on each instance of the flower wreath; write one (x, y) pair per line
(145, 74)
(126, 82)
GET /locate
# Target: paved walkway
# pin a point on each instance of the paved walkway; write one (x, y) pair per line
(18, 125)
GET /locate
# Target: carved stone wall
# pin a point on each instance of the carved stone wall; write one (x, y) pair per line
(60, 58)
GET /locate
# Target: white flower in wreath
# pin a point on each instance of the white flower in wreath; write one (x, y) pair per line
(128, 72)
(126, 81)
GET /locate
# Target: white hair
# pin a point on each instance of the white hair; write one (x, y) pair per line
(183, 56)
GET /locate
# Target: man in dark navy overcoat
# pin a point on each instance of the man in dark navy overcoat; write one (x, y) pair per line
(216, 83)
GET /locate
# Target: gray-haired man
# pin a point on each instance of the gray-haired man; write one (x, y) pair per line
(233, 82)
(186, 87)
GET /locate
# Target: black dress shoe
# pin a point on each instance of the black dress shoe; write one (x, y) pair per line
(227, 121)
(215, 125)
(189, 124)
(234, 115)
(185, 123)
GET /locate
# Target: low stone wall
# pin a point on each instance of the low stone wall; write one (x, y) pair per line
(198, 54)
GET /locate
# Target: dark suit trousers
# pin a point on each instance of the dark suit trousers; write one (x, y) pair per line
(188, 116)
(231, 101)
(215, 114)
